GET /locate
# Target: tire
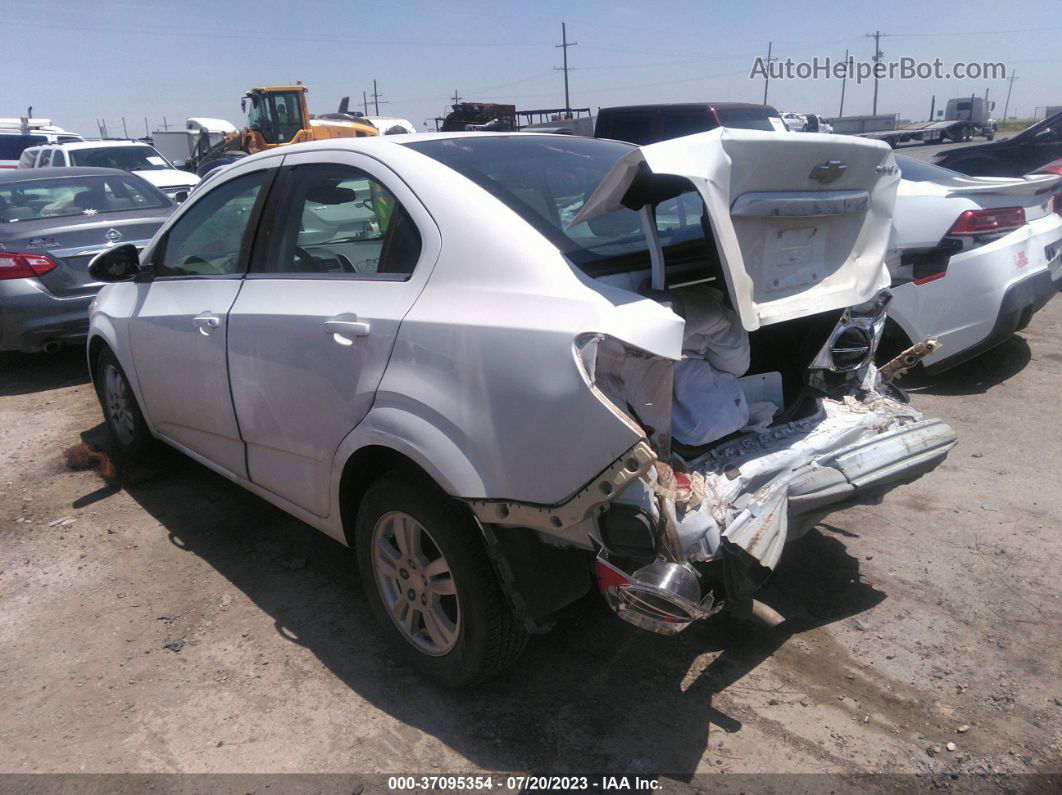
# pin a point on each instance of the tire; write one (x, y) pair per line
(129, 434)
(455, 625)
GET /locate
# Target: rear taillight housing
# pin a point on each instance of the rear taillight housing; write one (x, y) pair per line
(987, 222)
(25, 266)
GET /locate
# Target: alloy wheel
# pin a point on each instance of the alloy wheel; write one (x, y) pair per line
(416, 584)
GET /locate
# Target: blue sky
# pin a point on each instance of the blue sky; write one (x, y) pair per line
(137, 58)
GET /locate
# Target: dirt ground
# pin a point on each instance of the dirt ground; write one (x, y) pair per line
(179, 624)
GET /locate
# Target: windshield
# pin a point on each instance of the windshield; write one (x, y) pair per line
(546, 181)
(277, 116)
(746, 118)
(31, 199)
(124, 158)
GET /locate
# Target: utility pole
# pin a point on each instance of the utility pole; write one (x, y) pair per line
(455, 97)
(878, 54)
(932, 107)
(365, 103)
(767, 76)
(375, 99)
(1006, 106)
(564, 45)
(125, 130)
(165, 124)
(147, 130)
(844, 79)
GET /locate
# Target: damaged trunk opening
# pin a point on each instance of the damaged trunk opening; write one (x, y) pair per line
(755, 457)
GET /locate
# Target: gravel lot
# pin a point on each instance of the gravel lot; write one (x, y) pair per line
(178, 623)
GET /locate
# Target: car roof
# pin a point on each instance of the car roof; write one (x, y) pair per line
(96, 144)
(690, 106)
(27, 174)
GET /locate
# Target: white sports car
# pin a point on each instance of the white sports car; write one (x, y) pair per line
(497, 364)
(971, 259)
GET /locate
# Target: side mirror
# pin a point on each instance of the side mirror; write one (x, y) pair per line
(115, 264)
(180, 163)
(180, 196)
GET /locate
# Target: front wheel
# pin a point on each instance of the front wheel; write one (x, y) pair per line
(430, 584)
(129, 433)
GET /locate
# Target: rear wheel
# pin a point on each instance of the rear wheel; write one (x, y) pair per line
(129, 433)
(430, 584)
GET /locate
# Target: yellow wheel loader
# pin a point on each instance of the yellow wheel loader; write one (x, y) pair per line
(276, 116)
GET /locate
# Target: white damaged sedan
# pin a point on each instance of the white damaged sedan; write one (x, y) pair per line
(505, 368)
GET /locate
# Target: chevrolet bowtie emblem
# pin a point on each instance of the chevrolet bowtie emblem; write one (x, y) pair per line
(829, 171)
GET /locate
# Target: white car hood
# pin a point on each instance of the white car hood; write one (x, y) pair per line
(790, 244)
(168, 177)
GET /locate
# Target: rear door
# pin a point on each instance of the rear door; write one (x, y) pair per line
(801, 222)
(179, 330)
(347, 249)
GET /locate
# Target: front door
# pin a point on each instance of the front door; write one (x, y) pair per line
(346, 250)
(179, 331)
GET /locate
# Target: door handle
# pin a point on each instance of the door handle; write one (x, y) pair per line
(206, 322)
(344, 331)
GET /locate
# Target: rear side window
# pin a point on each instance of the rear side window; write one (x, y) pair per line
(46, 159)
(635, 128)
(209, 239)
(337, 219)
(12, 146)
(58, 158)
(676, 125)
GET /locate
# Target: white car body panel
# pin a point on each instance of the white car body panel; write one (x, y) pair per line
(780, 264)
(290, 449)
(960, 309)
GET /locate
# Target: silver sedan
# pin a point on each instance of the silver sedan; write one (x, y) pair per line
(52, 222)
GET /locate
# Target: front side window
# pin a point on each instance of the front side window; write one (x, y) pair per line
(208, 240)
(337, 219)
(124, 158)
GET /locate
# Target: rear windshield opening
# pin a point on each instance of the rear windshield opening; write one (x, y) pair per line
(30, 200)
(546, 181)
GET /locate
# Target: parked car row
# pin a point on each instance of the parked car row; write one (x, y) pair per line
(132, 156)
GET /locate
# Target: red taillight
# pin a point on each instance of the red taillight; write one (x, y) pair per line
(982, 222)
(931, 278)
(25, 266)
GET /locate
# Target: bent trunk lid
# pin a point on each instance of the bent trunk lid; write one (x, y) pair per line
(801, 223)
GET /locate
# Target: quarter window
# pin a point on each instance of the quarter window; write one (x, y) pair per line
(209, 238)
(337, 219)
